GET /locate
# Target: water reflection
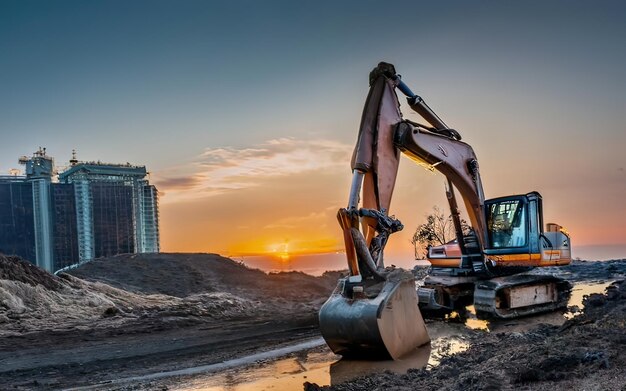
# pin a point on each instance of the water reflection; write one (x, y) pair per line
(580, 291)
(284, 374)
(323, 367)
(556, 318)
(345, 370)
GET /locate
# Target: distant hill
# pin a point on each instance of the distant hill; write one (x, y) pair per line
(182, 274)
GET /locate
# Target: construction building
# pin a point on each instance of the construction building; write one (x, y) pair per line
(17, 228)
(116, 209)
(93, 210)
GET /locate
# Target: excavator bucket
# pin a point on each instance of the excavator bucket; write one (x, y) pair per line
(380, 321)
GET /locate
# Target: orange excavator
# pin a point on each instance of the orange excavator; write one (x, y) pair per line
(374, 311)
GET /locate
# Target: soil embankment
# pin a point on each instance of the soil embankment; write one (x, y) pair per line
(181, 275)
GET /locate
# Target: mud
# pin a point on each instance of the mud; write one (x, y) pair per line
(585, 353)
(135, 315)
(587, 270)
(181, 275)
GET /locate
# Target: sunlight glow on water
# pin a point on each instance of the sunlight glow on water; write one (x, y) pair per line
(285, 374)
(320, 366)
(580, 291)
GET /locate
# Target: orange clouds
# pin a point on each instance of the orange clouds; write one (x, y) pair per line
(221, 170)
(253, 200)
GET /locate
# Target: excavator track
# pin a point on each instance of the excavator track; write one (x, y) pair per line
(443, 294)
(520, 295)
(499, 297)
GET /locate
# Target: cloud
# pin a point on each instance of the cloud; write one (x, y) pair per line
(220, 170)
(178, 183)
(297, 221)
(274, 158)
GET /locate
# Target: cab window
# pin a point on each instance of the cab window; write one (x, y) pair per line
(506, 222)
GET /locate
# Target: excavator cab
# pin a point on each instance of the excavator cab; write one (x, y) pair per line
(515, 235)
(512, 225)
(507, 224)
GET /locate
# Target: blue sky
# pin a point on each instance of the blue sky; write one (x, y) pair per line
(538, 88)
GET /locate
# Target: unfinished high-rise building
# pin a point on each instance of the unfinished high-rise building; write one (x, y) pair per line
(93, 210)
(17, 221)
(116, 209)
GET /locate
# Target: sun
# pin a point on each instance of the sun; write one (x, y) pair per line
(282, 251)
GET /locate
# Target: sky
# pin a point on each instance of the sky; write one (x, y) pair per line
(246, 112)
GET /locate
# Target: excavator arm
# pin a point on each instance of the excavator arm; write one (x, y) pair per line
(383, 135)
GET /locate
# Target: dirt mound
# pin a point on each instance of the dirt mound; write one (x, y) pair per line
(152, 290)
(34, 300)
(17, 269)
(181, 275)
(585, 353)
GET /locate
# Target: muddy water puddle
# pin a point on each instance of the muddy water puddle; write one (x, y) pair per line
(580, 291)
(283, 374)
(575, 306)
(319, 365)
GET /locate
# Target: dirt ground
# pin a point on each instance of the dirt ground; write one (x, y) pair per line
(132, 315)
(129, 315)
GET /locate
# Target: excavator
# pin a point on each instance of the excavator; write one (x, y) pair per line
(375, 310)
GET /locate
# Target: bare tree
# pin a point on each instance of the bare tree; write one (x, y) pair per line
(437, 230)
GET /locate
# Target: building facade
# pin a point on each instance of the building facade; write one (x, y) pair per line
(17, 221)
(117, 209)
(93, 210)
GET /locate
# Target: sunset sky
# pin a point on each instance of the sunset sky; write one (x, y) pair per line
(246, 112)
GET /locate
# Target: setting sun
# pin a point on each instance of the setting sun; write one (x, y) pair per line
(283, 253)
